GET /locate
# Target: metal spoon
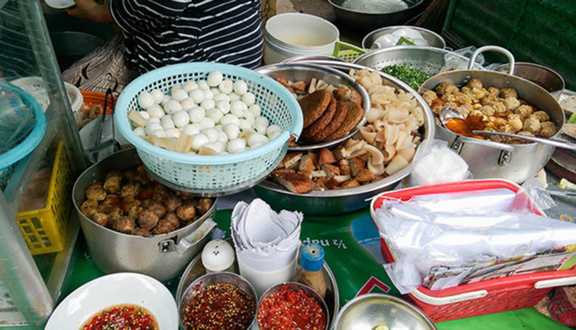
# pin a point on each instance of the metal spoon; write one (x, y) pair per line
(448, 113)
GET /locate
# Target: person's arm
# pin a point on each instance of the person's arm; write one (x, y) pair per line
(91, 10)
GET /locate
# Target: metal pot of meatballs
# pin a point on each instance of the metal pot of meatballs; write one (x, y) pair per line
(133, 223)
(498, 102)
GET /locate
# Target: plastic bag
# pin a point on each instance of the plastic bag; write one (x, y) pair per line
(16, 119)
(440, 165)
(452, 62)
(400, 37)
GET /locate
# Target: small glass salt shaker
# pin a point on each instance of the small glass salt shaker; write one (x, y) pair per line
(218, 256)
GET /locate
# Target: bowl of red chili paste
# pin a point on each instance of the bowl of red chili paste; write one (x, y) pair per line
(117, 301)
(292, 305)
(219, 300)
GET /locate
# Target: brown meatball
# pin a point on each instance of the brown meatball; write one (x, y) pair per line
(140, 232)
(132, 207)
(96, 191)
(493, 91)
(130, 189)
(488, 99)
(548, 129)
(186, 212)
(532, 125)
(155, 207)
(474, 83)
(113, 200)
(487, 110)
(541, 115)
(146, 192)
(89, 203)
(124, 225)
(106, 208)
(147, 219)
(90, 211)
(167, 224)
(161, 193)
(114, 215)
(429, 96)
(112, 181)
(172, 203)
(515, 121)
(446, 88)
(101, 219)
(499, 107)
(511, 103)
(524, 111)
(204, 204)
(508, 92)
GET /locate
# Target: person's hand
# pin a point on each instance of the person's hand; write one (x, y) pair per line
(91, 10)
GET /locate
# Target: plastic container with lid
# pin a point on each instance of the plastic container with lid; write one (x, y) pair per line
(218, 256)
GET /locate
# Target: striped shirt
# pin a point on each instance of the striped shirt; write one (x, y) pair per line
(163, 32)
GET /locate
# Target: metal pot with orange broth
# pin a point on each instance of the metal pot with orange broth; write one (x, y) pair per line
(501, 102)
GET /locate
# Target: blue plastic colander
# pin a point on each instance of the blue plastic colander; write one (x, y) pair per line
(212, 175)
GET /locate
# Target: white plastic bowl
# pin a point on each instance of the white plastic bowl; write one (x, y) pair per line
(60, 4)
(115, 289)
(35, 87)
(294, 34)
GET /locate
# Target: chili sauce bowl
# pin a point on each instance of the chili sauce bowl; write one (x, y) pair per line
(218, 295)
(125, 289)
(290, 292)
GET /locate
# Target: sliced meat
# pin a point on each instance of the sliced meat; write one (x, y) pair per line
(313, 105)
(321, 122)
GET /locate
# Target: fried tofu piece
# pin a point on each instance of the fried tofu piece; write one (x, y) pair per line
(325, 156)
(297, 183)
(291, 160)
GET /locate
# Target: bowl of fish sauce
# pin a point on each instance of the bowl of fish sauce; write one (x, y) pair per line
(219, 300)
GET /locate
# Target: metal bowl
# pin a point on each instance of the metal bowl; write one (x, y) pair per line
(545, 77)
(430, 60)
(295, 286)
(305, 72)
(370, 311)
(368, 18)
(432, 38)
(214, 278)
(339, 201)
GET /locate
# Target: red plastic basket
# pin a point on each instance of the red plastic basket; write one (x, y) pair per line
(485, 297)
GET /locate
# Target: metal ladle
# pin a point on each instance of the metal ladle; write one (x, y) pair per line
(448, 113)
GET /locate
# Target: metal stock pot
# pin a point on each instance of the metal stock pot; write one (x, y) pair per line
(163, 257)
(488, 159)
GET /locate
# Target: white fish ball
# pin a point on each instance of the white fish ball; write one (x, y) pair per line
(189, 86)
(159, 133)
(208, 94)
(175, 88)
(215, 114)
(187, 103)
(223, 106)
(140, 131)
(256, 139)
(261, 120)
(153, 120)
(145, 100)
(273, 131)
(165, 100)
(232, 130)
(240, 87)
(229, 119)
(244, 124)
(179, 94)
(197, 95)
(249, 99)
(221, 97)
(260, 128)
(207, 123)
(237, 108)
(199, 140)
(255, 109)
(197, 114)
(211, 133)
(172, 106)
(181, 118)
(167, 122)
(144, 114)
(203, 84)
(214, 78)
(172, 133)
(208, 104)
(191, 129)
(222, 137)
(234, 96)
(226, 86)
(236, 145)
(218, 147)
(157, 95)
(155, 111)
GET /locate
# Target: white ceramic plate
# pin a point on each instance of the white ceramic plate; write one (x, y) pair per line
(115, 289)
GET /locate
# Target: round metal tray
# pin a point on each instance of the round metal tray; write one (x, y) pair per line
(196, 269)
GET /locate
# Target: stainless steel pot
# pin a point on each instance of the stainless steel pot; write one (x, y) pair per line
(487, 159)
(163, 257)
